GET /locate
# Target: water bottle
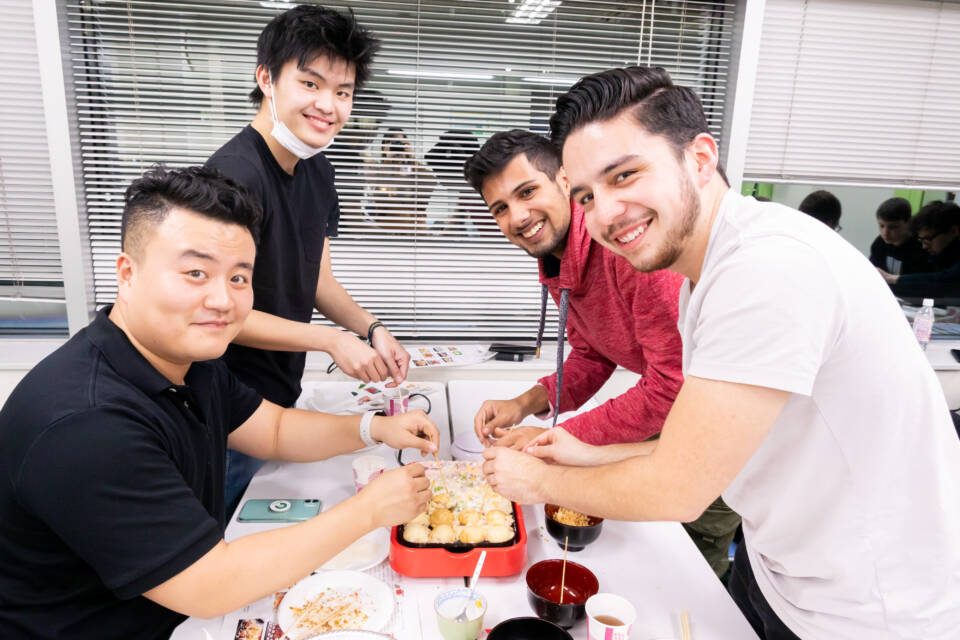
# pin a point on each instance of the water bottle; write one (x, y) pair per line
(923, 323)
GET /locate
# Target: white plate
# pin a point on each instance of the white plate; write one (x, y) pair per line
(376, 595)
(366, 552)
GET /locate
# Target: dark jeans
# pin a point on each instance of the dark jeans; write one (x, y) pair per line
(240, 470)
(745, 592)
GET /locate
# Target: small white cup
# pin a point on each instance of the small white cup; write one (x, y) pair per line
(366, 468)
(607, 607)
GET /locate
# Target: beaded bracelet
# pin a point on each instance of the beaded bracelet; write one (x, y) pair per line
(371, 329)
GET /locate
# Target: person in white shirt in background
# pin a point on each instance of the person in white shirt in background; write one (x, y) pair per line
(807, 402)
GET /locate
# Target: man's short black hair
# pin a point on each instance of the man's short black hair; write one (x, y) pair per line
(201, 190)
(656, 104)
(824, 206)
(308, 31)
(497, 152)
(895, 210)
(937, 216)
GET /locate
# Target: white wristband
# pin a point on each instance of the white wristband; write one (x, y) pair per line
(365, 428)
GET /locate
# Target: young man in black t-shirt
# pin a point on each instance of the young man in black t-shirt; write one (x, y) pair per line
(311, 61)
(112, 448)
(897, 250)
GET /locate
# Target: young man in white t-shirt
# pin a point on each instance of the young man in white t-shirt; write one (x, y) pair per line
(806, 402)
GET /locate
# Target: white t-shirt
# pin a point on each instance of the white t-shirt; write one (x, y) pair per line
(851, 505)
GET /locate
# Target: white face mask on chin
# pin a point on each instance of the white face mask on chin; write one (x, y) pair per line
(287, 139)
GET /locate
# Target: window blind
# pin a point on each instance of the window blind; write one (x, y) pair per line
(30, 272)
(858, 92)
(167, 81)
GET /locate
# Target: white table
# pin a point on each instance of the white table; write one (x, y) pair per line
(654, 565)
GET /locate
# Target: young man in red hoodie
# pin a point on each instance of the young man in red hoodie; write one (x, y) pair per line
(611, 314)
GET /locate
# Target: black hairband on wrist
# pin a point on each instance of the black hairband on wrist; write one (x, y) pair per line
(371, 329)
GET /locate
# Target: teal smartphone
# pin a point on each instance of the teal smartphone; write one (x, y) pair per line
(279, 510)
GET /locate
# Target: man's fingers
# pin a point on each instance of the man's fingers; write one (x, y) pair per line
(403, 363)
(393, 370)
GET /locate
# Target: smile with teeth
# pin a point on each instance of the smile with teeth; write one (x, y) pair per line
(534, 230)
(633, 235)
(319, 121)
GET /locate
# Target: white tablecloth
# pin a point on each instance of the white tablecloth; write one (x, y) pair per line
(654, 565)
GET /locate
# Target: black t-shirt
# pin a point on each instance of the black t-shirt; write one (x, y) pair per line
(908, 257)
(111, 483)
(299, 213)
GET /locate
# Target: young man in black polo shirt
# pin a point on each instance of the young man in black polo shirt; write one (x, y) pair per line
(310, 62)
(112, 448)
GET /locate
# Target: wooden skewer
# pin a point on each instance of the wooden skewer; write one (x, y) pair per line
(563, 571)
(685, 625)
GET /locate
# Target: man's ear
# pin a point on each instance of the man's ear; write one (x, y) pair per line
(126, 271)
(263, 80)
(561, 179)
(703, 150)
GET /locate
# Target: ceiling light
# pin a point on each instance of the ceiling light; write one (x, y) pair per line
(533, 11)
(566, 82)
(441, 74)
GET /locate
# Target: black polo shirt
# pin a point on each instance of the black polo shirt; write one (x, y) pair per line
(111, 482)
(299, 213)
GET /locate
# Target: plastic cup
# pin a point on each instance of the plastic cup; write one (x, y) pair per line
(366, 468)
(448, 604)
(396, 400)
(603, 611)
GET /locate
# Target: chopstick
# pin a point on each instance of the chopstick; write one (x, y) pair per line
(685, 625)
(563, 571)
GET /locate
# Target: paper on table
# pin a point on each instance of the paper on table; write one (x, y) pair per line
(448, 355)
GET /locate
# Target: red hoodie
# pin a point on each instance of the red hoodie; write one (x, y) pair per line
(617, 316)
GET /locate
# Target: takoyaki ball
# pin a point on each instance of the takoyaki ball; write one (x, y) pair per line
(441, 516)
(472, 535)
(497, 517)
(443, 534)
(423, 519)
(498, 533)
(416, 533)
(470, 517)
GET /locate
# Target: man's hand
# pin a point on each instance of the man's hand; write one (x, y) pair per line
(888, 277)
(516, 438)
(411, 429)
(357, 360)
(494, 416)
(558, 446)
(397, 496)
(392, 353)
(515, 475)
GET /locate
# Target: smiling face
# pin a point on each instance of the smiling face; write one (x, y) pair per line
(315, 101)
(531, 208)
(187, 290)
(640, 200)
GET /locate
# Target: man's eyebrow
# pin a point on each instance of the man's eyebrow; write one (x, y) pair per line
(320, 76)
(193, 253)
(523, 184)
(616, 163)
(575, 189)
(517, 188)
